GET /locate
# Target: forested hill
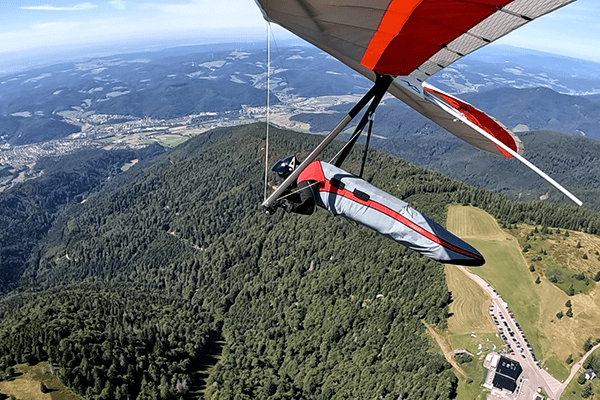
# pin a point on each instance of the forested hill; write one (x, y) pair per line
(573, 161)
(129, 290)
(28, 209)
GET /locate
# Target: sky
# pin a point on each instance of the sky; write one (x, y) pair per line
(45, 26)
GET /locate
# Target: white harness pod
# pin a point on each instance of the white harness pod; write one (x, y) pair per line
(342, 193)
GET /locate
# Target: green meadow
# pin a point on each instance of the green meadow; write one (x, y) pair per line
(535, 305)
(574, 390)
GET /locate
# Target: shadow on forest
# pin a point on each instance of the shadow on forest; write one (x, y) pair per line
(203, 363)
(13, 376)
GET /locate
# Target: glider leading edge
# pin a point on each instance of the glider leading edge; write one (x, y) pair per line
(398, 44)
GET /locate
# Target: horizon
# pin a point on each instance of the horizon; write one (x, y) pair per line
(48, 31)
(21, 63)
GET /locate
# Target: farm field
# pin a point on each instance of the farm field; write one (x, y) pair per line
(535, 305)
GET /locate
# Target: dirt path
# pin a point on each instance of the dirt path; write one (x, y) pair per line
(447, 353)
(574, 370)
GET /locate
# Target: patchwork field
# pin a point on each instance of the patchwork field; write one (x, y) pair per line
(535, 305)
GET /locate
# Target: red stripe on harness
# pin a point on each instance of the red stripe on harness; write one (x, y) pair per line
(312, 172)
(396, 216)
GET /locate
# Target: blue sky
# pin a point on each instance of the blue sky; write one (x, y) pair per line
(29, 25)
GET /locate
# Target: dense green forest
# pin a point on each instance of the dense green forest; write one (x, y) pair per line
(28, 210)
(127, 291)
(107, 341)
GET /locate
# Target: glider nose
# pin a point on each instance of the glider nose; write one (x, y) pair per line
(472, 262)
(467, 257)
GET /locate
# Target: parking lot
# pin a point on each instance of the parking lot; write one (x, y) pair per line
(516, 347)
(515, 341)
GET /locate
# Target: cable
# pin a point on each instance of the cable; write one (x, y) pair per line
(267, 110)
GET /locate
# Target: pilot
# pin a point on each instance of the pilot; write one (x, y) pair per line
(300, 196)
(342, 193)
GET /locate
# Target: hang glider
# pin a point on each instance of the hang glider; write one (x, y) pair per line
(409, 41)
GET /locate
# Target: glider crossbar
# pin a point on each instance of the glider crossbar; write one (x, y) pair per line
(508, 150)
(268, 203)
(382, 83)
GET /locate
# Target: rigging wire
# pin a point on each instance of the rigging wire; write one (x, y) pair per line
(267, 111)
(283, 69)
(352, 138)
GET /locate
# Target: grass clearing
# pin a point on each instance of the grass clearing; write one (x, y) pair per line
(471, 222)
(472, 390)
(567, 258)
(27, 384)
(535, 305)
(471, 375)
(470, 328)
(506, 272)
(130, 164)
(469, 307)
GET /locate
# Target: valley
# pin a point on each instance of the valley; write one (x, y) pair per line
(166, 96)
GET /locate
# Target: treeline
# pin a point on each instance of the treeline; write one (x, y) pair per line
(310, 307)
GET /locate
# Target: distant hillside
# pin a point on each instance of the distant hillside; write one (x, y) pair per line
(594, 98)
(572, 161)
(541, 109)
(224, 78)
(28, 210)
(538, 108)
(162, 84)
(500, 66)
(19, 130)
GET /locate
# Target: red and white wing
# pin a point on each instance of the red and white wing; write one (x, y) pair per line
(412, 40)
(403, 37)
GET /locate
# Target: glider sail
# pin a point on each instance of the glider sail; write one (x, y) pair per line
(403, 37)
(411, 40)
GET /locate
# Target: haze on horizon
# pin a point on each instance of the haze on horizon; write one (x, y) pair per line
(30, 29)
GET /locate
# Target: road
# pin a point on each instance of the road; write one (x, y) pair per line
(533, 375)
